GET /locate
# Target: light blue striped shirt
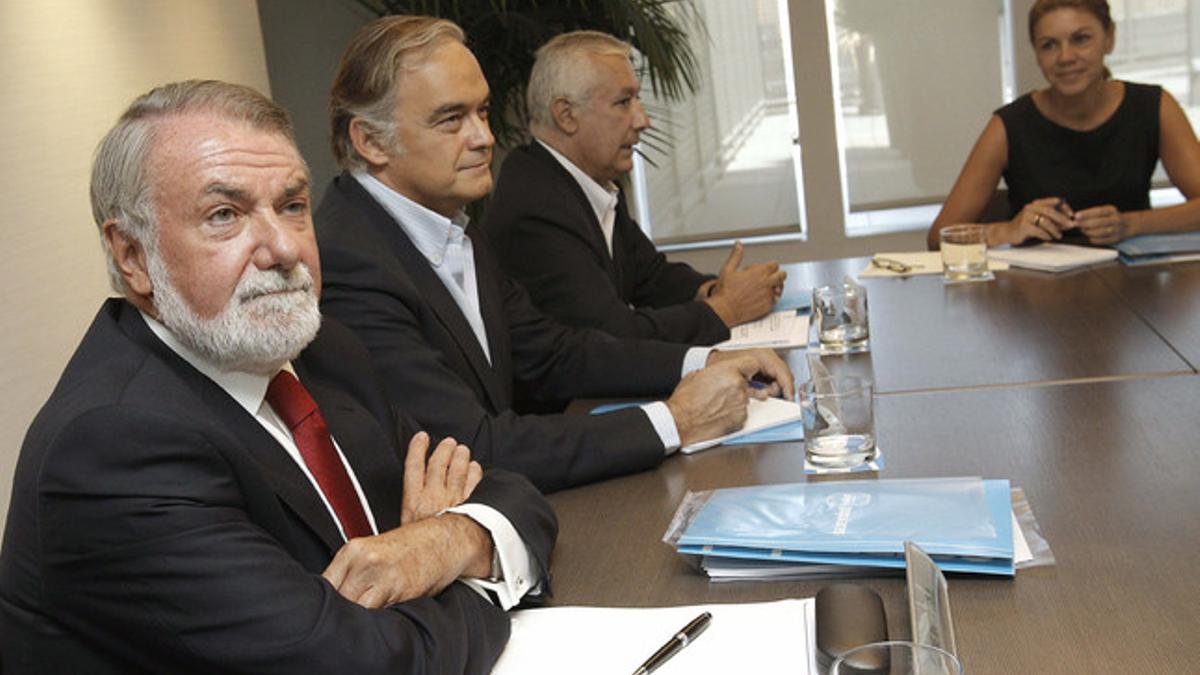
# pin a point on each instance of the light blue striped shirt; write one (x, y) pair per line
(444, 244)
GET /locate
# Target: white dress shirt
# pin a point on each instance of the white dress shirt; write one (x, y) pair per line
(249, 390)
(444, 244)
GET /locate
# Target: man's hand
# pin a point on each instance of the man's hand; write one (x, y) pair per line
(445, 481)
(712, 401)
(411, 561)
(740, 295)
(771, 371)
(1102, 224)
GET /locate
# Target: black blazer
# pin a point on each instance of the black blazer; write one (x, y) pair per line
(378, 283)
(547, 237)
(155, 526)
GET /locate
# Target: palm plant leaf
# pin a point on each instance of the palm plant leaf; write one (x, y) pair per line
(504, 34)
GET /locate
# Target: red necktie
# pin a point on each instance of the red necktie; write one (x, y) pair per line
(290, 400)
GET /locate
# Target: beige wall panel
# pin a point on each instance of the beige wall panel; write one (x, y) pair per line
(67, 70)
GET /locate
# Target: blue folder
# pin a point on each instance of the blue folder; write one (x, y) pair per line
(998, 566)
(1149, 249)
(1158, 244)
(965, 522)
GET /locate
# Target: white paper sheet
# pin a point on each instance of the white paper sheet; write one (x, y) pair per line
(1021, 552)
(760, 414)
(769, 637)
(778, 330)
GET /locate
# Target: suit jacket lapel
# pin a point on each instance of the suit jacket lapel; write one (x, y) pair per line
(378, 469)
(280, 470)
(488, 282)
(433, 291)
(589, 226)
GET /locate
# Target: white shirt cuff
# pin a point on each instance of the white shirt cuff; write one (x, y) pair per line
(664, 425)
(518, 574)
(694, 359)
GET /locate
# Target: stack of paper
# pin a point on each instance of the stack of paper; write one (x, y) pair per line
(1053, 257)
(965, 524)
(1150, 249)
(777, 330)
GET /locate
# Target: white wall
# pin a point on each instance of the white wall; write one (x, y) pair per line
(67, 70)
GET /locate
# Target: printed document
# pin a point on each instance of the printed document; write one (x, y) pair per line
(778, 330)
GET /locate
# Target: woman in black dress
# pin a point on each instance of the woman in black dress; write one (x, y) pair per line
(1077, 156)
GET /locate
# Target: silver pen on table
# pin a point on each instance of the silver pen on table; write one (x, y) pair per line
(683, 638)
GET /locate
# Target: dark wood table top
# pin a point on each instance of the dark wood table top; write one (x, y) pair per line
(1078, 387)
(1166, 296)
(1109, 467)
(1023, 327)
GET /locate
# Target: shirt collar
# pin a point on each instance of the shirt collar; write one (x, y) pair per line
(431, 232)
(602, 197)
(248, 389)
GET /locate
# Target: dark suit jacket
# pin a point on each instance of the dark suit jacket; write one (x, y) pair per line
(155, 526)
(378, 283)
(547, 237)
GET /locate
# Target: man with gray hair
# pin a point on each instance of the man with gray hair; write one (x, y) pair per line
(453, 336)
(560, 222)
(217, 483)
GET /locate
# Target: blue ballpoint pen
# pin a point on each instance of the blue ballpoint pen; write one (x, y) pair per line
(680, 640)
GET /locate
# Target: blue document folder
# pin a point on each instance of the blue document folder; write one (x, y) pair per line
(998, 566)
(1150, 249)
(859, 522)
(1155, 244)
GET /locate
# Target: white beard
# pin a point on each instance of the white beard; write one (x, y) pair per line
(254, 332)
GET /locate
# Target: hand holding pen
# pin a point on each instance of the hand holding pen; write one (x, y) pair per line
(683, 638)
(1044, 219)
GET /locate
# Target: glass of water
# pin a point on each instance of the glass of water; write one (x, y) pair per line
(839, 313)
(964, 253)
(838, 415)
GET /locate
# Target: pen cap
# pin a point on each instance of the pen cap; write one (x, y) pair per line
(849, 616)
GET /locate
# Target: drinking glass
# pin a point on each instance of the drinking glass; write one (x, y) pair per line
(839, 312)
(964, 253)
(838, 416)
(896, 657)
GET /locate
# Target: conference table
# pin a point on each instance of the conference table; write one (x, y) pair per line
(1077, 387)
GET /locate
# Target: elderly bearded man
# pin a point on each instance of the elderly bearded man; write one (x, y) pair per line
(216, 484)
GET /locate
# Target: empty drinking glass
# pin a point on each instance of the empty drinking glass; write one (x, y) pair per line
(838, 414)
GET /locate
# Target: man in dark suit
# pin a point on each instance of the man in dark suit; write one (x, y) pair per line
(216, 483)
(450, 332)
(561, 225)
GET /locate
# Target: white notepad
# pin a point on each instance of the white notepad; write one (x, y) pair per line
(763, 637)
(1053, 257)
(764, 414)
